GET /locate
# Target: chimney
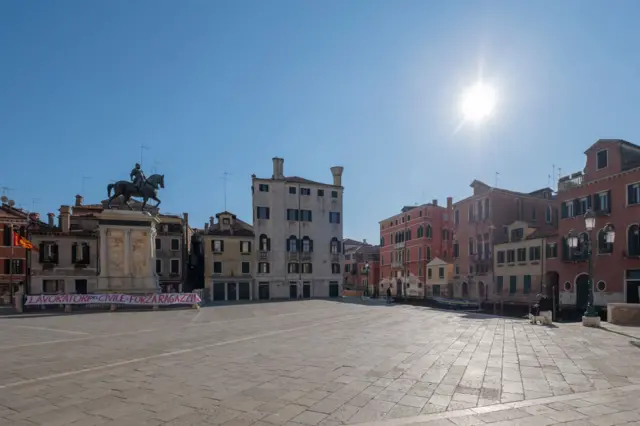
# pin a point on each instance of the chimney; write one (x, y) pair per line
(278, 168)
(337, 175)
(435, 202)
(449, 203)
(50, 217)
(65, 218)
(206, 227)
(211, 221)
(364, 241)
(79, 200)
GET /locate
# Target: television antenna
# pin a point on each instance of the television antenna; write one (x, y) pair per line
(225, 178)
(5, 189)
(143, 148)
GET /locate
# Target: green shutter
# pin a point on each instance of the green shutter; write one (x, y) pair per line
(527, 284)
(513, 282)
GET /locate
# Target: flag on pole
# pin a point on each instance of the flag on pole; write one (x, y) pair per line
(23, 242)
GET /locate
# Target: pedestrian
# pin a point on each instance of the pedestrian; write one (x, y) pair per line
(389, 294)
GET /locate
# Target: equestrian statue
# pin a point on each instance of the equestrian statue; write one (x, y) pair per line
(139, 187)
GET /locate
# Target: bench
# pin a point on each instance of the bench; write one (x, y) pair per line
(545, 318)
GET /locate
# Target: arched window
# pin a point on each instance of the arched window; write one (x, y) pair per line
(265, 243)
(292, 243)
(420, 231)
(307, 244)
(428, 254)
(548, 216)
(407, 235)
(604, 246)
(633, 241)
(381, 241)
(429, 231)
(335, 246)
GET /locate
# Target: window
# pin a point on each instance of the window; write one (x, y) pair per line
(320, 192)
(292, 244)
(522, 255)
(265, 243)
(217, 246)
(527, 284)
(305, 191)
(263, 187)
(334, 194)
(262, 212)
(548, 214)
(601, 159)
(175, 244)
(602, 202)
(567, 210)
(517, 234)
(292, 214)
(633, 241)
(499, 283)
(534, 253)
(501, 257)
(246, 267)
(80, 254)
(420, 232)
(13, 266)
(408, 235)
(48, 252)
(347, 267)
(552, 250)
(419, 270)
(217, 267)
(158, 266)
(335, 268)
(307, 268)
(245, 247)
(175, 266)
(441, 272)
(470, 213)
(457, 269)
(513, 284)
(158, 244)
(603, 246)
(633, 194)
(294, 268)
(533, 213)
(307, 245)
(292, 190)
(428, 254)
(264, 267)
(52, 286)
(429, 231)
(456, 250)
(381, 241)
(334, 217)
(511, 256)
(470, 269)
(335, 246)
(226, 221)
(420, 213)
(419, 253)
(583, 205)
(305, 215)
(602, 286)
(429, 273)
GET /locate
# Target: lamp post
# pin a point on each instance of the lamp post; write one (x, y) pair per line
(365, 270)
(584, 246)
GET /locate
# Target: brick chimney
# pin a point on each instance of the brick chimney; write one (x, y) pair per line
(50, 217)
(65, 218)
(206, 227)
(337, 175)
(449, 203)
(211, 221)
(79, 200)
(278, 168)
(435, 202)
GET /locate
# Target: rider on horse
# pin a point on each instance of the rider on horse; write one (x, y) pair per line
(138, 177)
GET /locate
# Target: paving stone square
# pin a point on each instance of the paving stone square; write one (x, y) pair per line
(313, 363)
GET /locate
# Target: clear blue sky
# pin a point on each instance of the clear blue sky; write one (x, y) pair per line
(213, 86)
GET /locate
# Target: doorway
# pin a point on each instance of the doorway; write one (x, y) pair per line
(306, 290)
(399, 288)
(582, 291)
(263, 291)
(232, 291)
(81, 286)
(218, 291)
(465, 290)
(633, 286)
(334, 289)
(244, 291)
(293, 290)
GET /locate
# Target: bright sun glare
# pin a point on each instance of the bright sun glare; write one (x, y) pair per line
(478, 102)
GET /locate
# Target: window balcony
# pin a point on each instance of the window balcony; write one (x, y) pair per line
(400, 245)
(263, 256)
(305, 255)
(396, 264)
(293, 255)
(336, 258)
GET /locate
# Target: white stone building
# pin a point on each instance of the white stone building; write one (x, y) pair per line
(298, 235)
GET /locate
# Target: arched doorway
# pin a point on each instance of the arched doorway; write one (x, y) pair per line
(399, 288)
(481, 290)
(465, 289)
(582, 291)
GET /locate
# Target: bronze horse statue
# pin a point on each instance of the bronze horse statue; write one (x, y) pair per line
(127, 189)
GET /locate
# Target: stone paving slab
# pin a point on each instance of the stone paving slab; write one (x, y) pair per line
(312, 363)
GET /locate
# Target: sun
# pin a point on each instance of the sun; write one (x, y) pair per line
(478, 102)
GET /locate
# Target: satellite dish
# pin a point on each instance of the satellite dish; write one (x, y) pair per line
(11, 203)
(4, 199)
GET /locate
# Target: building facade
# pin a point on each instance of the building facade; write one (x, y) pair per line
(173, 236)
(67, 258)
(439, 279)
(411, 239)
(298, 235)
(361, 266)
(481, 221)
(609, 185)
(519, 265)
(229, 259)
(13, 259)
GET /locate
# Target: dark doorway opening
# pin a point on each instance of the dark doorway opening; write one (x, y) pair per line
(334, 289)
(263, 291)
(218, 291)
(293, 291)
(306, 290)
(244, 291)
(81, 286)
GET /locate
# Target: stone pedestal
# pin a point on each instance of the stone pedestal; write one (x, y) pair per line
(127, 253)
(591, 321)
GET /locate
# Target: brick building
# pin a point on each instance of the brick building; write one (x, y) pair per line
(358, 254)
(481, 221)
(13, 260)
(609, 185)
(408, 241)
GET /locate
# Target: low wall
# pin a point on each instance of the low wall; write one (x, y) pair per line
(623, 313)
(352, 293)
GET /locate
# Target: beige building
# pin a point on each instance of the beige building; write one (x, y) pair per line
(229, 259)
(519, 265)
(172, 251)
(67, 260)
(440, 279)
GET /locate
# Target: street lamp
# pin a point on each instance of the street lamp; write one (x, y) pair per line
(365, 269)
(584, 246)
